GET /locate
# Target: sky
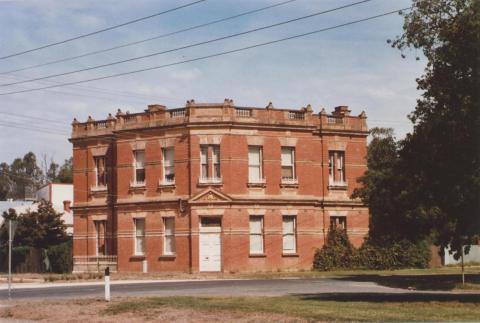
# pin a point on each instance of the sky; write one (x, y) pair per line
(352, 65)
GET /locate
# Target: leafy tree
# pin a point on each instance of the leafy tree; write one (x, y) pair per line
(40, 229)
(65, 173)
(5, 182)
(25, 175)
(440, 159)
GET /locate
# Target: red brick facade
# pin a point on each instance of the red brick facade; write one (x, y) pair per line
(215, 187)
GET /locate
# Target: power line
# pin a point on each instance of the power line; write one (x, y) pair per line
(149, 39)
(102, 30)
(134, 97)
(188, 46)
(209, 56)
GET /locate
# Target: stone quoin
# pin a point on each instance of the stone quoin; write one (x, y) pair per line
(215, 187)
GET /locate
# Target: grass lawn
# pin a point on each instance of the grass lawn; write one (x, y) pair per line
(336, 307)
(309, 308)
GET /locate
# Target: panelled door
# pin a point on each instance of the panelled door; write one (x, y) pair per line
(210, 244)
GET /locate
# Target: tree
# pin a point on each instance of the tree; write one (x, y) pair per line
(440, 159)
(65, 173)
(40, 229)
(25, 175)
(5, 182)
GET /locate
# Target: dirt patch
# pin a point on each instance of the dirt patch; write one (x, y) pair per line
(91, 310)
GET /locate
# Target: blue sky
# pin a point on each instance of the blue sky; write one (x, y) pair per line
(351, 66)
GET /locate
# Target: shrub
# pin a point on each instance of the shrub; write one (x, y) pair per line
(338, 253)
(60, 257)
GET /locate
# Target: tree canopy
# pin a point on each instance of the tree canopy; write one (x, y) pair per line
(429, 183)
(23, 176)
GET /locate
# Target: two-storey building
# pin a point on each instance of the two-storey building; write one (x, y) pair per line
(215, 187)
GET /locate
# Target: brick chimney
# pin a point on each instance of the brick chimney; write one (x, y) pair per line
(341, 111)
(66, 205)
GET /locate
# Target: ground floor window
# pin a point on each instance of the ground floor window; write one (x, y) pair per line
(169, 236)
(289, 235)
(256, 234)
(100, 237)
(338, 222)
(139, 236)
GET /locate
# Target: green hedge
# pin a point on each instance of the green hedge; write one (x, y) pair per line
(60, 257)
(338, 253)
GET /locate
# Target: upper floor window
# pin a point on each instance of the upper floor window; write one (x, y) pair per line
(336, 168)
(100, 171)
(168, 165)
(139, 167)
(210, 164)
(255, 161)
(288, 164)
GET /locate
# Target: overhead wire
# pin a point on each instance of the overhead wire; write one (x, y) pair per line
(149, 39)
(101, 30)
(218, 54)
(188, 46)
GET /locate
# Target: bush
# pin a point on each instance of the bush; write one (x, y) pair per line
(338, 253)
(60, 257)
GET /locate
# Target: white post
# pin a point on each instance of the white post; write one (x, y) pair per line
(463, 268)
(107, 284)
(9, 259)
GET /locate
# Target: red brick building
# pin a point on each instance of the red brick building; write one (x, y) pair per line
(215, 187)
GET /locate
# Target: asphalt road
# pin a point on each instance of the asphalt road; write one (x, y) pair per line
(270, 287)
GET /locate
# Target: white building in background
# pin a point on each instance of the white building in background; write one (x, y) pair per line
(472, 257)
(61, 197)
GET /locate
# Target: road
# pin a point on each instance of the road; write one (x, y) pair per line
(247, 287)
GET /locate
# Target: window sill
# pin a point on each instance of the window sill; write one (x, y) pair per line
(167, 257)
(210, 183)
(338, 187)
(257, 184)
(289, 185)
(166, 186)
(137, 257)
(136, 187)
(290, 255)
(257, 255)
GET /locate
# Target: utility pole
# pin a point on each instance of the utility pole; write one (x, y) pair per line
(11, 232)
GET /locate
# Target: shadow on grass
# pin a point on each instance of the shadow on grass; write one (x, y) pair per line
(419, 282)
(392, 297)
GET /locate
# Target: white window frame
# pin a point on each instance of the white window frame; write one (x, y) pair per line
(98, 236)
(257, 164)
(135, 157)
(338, 221)
(168, 165)
(336, 168)
(96, 160)
(253, 234)
(293, 179)
(286, 234)
(210, 168)
(169, 236)
(204, 161)
(216, 171)
(138, 237)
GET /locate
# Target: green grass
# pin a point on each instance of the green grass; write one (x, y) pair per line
(315, 308)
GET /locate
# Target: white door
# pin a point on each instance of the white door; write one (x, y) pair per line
(210, 244)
